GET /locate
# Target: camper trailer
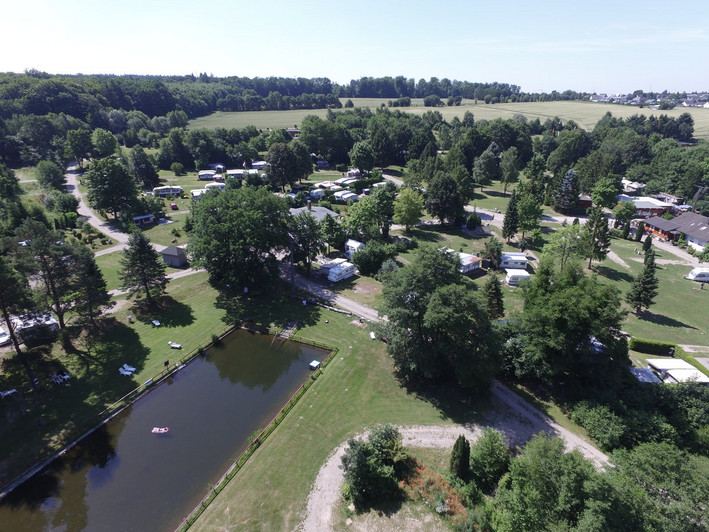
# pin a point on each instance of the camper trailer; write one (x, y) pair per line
(698, 274)
(514, 260)
(516, 277)
(352, 246)
(341, 272)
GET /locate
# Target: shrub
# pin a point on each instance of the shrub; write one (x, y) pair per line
(460, 458)
(177, 168)
(370, 258)
(653, 347)
(489, 459)
(604, 426)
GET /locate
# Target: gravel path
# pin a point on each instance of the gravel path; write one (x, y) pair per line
(515, 418)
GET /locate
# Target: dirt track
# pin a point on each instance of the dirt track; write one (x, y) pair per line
(515, 418)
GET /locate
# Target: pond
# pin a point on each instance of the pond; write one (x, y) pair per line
(124, 477)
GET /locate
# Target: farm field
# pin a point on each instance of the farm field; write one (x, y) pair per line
(586, 114)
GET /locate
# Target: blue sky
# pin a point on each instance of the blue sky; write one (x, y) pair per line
(600, 46)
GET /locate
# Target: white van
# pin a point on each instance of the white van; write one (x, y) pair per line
(698, 274)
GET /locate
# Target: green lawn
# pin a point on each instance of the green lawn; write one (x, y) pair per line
(586, 114)
(677, 313)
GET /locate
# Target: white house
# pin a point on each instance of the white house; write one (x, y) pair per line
(144, 219)
(516, 277)
(352, 247)
(215, 186)
(513, 259)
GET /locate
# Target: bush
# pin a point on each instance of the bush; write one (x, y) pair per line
(604, 426)
(474, 220)
(652, 347)
(370, 258)
(177, 168)
(489, 459)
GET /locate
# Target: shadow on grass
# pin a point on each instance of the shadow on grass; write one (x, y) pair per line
(281, 309)
(426, 235)
(613, 275)
(453, 401)
(661, 319)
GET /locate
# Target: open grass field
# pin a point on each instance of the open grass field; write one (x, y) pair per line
(586, 114)
(677, 313)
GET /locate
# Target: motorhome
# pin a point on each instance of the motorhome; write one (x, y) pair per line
(698, 274)
(341, 272)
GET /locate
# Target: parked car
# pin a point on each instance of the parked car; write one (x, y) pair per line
(173, 206)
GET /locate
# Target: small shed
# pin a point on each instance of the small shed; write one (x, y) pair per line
(174, 256)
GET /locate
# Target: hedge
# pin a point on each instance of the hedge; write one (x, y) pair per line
(652, 347)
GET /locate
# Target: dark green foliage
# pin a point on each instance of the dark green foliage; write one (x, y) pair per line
(597, 238)
(544, 489)
(644, 289)
(647, 243)
(370, 467)
(111, 187)
(486, 168)
(510, 225)
(438, 329)
(333, 232)
(492, 252)
(61, 202)
(606, 428)
(389, 266)
(561, 311)
(177, 168)
(49, 175)
(493, 298)
(473, 220)
(91, 299)
(236, 234)
(626, 231)
(369, 259)
(676, 483)
(141, 167)
(653, 347)
(460, 458)
(443, 198)
(639, 231)
(306, 239)
(489, 459)
(567, 195)
(142, 269)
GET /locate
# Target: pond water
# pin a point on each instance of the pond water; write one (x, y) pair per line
(123, 477)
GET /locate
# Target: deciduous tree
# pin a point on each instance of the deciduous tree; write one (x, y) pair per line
(443, 199)
(142, 167)
(408, 208)
(362, 156)
(510, 165)
(111, 187)
(306, 239)
(49, 175)
(104, 143)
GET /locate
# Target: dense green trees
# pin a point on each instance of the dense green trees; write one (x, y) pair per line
(408, 208)
(362, 156)
(235, 236)
(493, 298)
(306, 239)
(49, 175)
(372, 467)
(110, 186)
(438, 328)
(15, 298)
(443, 198)
(142, 269)
(141, 167)
(562, 310)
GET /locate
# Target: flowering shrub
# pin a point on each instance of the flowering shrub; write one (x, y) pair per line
(435, 492)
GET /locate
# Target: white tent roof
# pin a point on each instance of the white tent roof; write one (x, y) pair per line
(687, 375)
(669, 363)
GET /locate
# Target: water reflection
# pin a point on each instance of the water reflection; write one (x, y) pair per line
(123, 477)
